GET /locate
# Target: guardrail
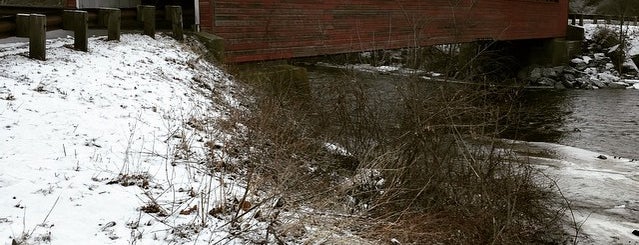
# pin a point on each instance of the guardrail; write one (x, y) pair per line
(578, 19)
(34, 22)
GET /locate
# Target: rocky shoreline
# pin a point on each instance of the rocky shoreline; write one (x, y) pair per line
(594, 71)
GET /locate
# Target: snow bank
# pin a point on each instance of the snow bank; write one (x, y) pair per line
(78, 129)
(120, 145)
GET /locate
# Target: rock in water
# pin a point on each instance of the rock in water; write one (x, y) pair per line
(635, 232)
(618, 85)
(602, 157)
(546, 81)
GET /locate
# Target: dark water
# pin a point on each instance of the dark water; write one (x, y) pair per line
(605, 121)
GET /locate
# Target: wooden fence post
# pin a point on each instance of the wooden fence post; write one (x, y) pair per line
(581, 20)
(78, 22)
(80, 30)
(112, 19)
(22, 25)
(146, 14)
(37, 36)
(174, 13)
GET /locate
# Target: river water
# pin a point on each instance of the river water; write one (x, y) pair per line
(605, 121)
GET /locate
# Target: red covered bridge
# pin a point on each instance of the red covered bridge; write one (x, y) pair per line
(256, 30)
(275, 29)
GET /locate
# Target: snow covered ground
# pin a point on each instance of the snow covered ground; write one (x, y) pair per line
(123, 145)
(88, 139)
(631, 31)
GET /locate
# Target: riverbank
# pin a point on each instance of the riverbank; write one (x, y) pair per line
(603, 121)
(132, 143)
(143, 141)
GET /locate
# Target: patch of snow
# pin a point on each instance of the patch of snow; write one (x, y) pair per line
(614, 48)
(607, 77)
(603, 193)
(587, 59)
(630, 81)
(578, 61)
(599, 56)
(387, 68)
(591, 70)
(366, 54)
(336, 149)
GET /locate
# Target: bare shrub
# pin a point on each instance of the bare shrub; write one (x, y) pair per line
(426, 166)
(442, 160)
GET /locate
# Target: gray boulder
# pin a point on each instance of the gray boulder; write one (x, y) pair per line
(549, 72)
(535, 74)
(597, 83)
(620, 85)
(546, 81)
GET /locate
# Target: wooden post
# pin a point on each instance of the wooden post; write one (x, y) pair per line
(68, 21)
(37, 36)
(147, 16)
(635, 21)
(581, 20)
(80, 29)
(22, 25)
(573, 19)
(112, 19)
(608, 19)
(594, 19)
(177, 23)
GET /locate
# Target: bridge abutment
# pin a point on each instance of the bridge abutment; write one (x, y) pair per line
(276, 77)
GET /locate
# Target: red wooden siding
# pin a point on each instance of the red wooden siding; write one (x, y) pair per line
(206, 15)
(274, 29)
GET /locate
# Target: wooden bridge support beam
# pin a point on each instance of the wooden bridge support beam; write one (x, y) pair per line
(37, 36)
(146, 14)
(174, 14)
(594, 19)
(573, 20)
(112, 19)
(581, 20)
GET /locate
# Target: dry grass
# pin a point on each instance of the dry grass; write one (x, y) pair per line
(424, 169)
